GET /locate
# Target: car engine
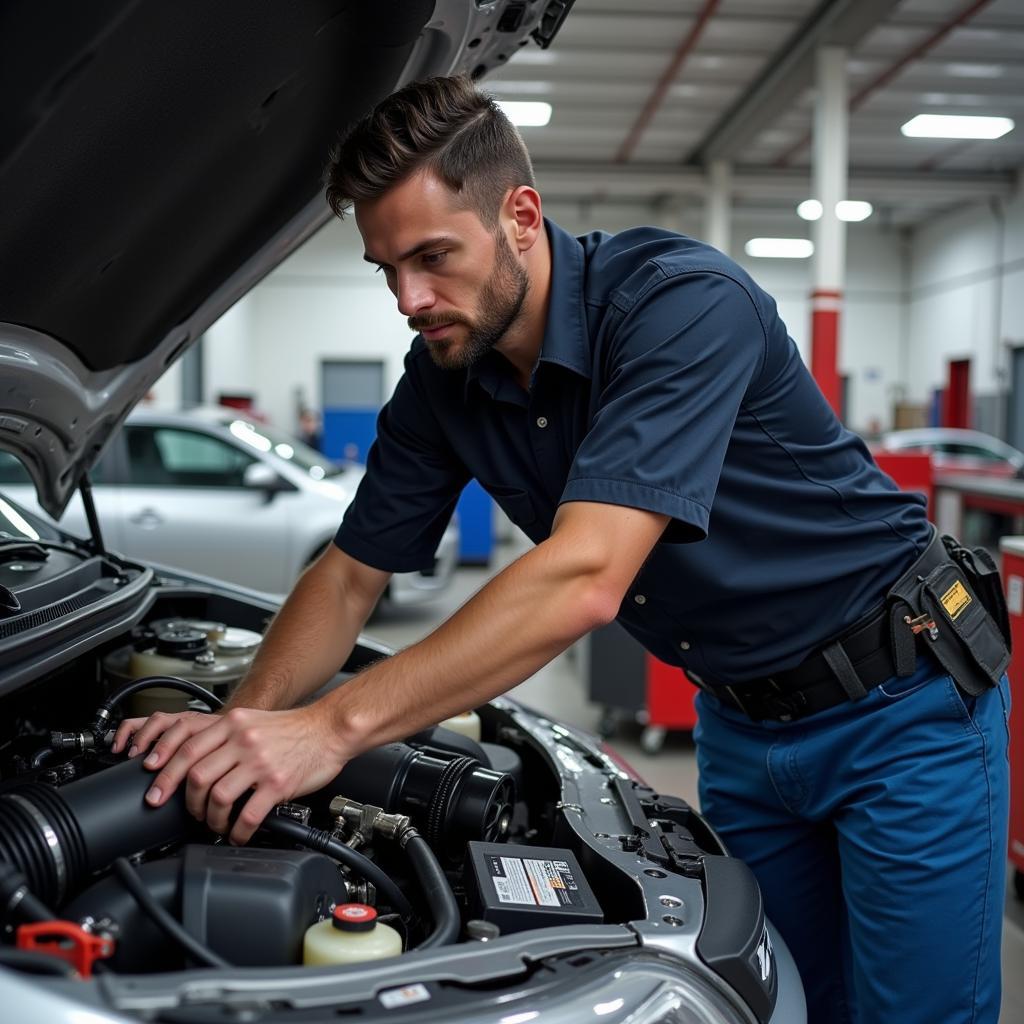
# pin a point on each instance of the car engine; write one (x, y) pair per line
(403, 829)
(498, 827)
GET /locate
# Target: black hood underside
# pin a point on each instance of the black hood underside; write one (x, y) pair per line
(147, 149)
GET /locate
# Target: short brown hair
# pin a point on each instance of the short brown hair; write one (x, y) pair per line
(445, 125)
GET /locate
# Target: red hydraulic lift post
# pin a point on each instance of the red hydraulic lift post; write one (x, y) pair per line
(956, 400)
(830, 175)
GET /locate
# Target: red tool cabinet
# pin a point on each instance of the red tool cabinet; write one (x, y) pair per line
(1013, 579)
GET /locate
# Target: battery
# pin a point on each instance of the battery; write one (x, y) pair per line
(521, 887)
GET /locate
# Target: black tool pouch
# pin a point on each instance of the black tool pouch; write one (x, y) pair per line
(983, 575)
(946, 609)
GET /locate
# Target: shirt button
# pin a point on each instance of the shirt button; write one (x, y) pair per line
(640, 599)
(684, 645)
(542, 422)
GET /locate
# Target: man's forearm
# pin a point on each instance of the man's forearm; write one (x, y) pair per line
(308, 641)
(528, 614)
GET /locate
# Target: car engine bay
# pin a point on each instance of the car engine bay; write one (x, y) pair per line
(496, 825)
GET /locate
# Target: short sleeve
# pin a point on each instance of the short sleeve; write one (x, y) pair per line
(677, 369)
(413, 479)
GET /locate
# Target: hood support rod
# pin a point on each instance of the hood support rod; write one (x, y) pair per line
(90, 514)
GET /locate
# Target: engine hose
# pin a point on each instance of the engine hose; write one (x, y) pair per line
(437, 891)
(30, 962)
(167, 923)
(41, 756)
(103, 712)
(17, 900)
(324, 842)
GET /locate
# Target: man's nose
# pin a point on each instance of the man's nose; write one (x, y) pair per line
(414, 295)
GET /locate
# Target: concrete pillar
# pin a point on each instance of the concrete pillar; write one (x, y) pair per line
(718, 207)
(831, 141)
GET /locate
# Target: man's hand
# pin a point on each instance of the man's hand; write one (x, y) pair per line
(171, 729)
(279, 754)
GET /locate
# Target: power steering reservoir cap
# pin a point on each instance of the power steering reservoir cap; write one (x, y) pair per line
(354, 917)
(180, 642)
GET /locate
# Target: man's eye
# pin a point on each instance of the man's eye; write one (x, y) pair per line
(434, 259)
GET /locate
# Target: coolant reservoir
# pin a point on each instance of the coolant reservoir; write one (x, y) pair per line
(353, 934)
(466, 724)
(208, 653)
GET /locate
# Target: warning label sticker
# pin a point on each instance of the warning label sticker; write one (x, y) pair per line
(536, 883)
(395, 997)
(956, 599)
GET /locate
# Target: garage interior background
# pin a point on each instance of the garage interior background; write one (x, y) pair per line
(650, 100)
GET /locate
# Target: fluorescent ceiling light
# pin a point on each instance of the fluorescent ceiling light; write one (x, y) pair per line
(975, 70)
(810, 209)
(535, 56)
(526, 113)
(780, 248)
(956, 126)
(853, 210)
(526, 88)
(846, 209)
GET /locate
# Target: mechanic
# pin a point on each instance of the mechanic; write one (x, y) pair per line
(634, 403)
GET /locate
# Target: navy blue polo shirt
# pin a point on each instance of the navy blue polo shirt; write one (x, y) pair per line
(666, 382)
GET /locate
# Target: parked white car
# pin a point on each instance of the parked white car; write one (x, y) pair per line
(214, 492)
(959, 451)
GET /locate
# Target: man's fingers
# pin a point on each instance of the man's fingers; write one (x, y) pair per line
(125, 731)
(191, 750)
(258, 806)
(159, 723)
(206, 774)
(151, 729)
(223, 796)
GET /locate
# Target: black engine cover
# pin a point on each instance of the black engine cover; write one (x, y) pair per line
(252, 906)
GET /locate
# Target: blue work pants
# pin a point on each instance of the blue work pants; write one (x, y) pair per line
(877, 831)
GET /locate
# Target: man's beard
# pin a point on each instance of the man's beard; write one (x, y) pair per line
(501, 302)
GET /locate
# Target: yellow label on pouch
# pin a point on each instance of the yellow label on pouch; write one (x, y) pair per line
(956, 599)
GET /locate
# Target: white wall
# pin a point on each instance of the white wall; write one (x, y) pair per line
(909, 306)
(326, 303)
(966, 297)
(229, 353)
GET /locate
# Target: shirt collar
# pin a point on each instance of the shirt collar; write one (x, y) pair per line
(565, 338)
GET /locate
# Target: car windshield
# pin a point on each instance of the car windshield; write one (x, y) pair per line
(266, 439)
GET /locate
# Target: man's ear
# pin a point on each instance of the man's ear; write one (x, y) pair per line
(522, 211)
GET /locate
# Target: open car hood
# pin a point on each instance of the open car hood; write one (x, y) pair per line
(157, 160)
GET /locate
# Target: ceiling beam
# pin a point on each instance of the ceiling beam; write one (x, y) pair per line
(883, 79)
(880, 186)
(788, 73)
(668, 76)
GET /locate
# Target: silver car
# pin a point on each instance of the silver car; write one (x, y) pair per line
(157, 161)
(216, 492)
(959, 451)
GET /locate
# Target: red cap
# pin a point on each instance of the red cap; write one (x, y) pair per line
(354, 917)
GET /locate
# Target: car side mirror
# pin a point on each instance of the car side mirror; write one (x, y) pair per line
(261, 477)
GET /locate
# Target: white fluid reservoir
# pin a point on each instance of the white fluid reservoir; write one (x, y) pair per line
(350, 936)
(466, 724)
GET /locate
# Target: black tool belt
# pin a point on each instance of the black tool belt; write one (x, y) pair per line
(948, 604)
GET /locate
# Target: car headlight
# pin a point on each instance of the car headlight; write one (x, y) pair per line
(643, 989)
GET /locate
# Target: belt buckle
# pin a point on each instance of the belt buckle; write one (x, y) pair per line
(789, 704)
(742, 704)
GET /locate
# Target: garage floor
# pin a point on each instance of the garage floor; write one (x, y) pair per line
(559, 690)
